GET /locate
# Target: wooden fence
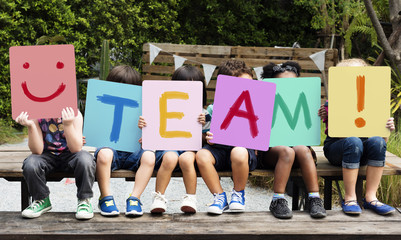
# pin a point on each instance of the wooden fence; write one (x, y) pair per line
(163, 65)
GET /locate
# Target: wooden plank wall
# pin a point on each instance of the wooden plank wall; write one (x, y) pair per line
(163, 65)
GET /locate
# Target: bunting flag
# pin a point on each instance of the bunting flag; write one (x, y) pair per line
(208, 70)
(319, 59)
(178, 61)
(258, 71)
(153, 51)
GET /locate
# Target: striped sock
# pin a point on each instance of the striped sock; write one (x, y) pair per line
(277, 196)
(314, 195)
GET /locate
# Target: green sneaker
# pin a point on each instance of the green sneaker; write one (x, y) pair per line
(84, 209)
(37, 208)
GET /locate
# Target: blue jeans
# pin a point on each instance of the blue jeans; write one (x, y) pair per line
(353, 152)
(124, 160)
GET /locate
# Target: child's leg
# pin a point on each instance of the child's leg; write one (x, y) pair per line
(206, 161)
(240, 167)
(303, 158)
(187, 165)
(282, 159)
(144, 173)
(169, 163)
(103, 171)
(84, 168)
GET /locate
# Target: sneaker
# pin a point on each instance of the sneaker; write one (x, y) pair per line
(237, 203)
(159, 204)
(316, 209)
(133, 207)
(108, 207)
(378, 207)
(351, 207)
(219, 205)
(279, 208)
(84, 209)
(37, 208)
(188, 204)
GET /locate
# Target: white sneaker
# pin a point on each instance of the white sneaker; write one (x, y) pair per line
(188, 204)
(159, 204)
(84, 209)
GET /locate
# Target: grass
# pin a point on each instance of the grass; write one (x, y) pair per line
(9, 134)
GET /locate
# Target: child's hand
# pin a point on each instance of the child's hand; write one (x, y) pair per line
(322, 112)
(209, 136)
(68, 116)
(83, 140)
(140, 140)
(202, 119)
(141, 122)
(390, 124)
(23, 120)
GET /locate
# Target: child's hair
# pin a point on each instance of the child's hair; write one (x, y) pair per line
(352, 62)
(234, 68)
(190, 73)
(271, 70)
(124, 74)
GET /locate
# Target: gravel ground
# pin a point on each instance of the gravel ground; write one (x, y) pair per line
(62, 194)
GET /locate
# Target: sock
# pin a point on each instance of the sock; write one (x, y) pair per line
(277, 196)
(314, 195)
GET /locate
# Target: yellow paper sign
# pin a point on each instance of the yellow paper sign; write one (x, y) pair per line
(359, 101)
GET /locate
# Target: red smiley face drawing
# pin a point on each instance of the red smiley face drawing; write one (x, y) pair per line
(43, 80)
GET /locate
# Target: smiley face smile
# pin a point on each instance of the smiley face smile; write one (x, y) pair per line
(60, 89)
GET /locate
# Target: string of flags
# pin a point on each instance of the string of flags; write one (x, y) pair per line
(318, 58)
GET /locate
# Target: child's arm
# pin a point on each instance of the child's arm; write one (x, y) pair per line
(72, 129)
(35, 137)
(390, 126)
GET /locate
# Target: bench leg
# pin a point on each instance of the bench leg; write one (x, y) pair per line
(25, 196)
(359, 190)
(328, 188)
(295, 196)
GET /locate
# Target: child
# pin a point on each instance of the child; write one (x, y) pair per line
(283, 158)
(351, 153)
(214, 157)
(166, 161)
(108, 159)
(56, 145)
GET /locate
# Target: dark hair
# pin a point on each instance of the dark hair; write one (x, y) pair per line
(271, 70)
(124, 74)
(234, 68)
(190, 73)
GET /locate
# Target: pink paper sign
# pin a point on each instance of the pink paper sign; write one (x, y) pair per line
(242, 112)
(171, 110)
(43, 80)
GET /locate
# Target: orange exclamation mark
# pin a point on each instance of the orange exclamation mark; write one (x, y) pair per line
(360, 93)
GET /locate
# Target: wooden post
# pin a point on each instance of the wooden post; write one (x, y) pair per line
(25, 197)
(328, 188)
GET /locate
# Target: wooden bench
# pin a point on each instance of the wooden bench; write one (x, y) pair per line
(11, 159)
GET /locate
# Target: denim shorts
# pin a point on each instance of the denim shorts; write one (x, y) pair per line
(159, 158)
(221, 154)
(353, 152)
(124, 160)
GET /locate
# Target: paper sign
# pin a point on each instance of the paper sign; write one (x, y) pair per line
(171, 110)
(359, 101)
(242, 112)
(43, 80)
(295, 118)
(111, 115)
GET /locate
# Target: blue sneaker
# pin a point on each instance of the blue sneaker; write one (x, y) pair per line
(378, 207)
(134, 208)
(237, 203)
(219, 205)
(108, 206)
(353, 209)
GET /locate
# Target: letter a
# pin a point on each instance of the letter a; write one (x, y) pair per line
(248, 114)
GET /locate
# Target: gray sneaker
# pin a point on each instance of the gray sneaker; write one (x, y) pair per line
(280, 209)
(316, 209)
(84, 209)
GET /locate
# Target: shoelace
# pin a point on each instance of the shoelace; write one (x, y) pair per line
(84, 205)
(281, 204)
(36, 204)
(218, 199)
(159, 196)
(317, 201)
(189, 198)
(236, 196)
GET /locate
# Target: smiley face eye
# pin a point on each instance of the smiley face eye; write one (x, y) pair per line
(60, 65)
(25, 65)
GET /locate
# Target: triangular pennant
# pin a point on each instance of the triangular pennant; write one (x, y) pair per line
(319, 59)
(258, 71)
(208, 70)
(178, 61)
(153, 51)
